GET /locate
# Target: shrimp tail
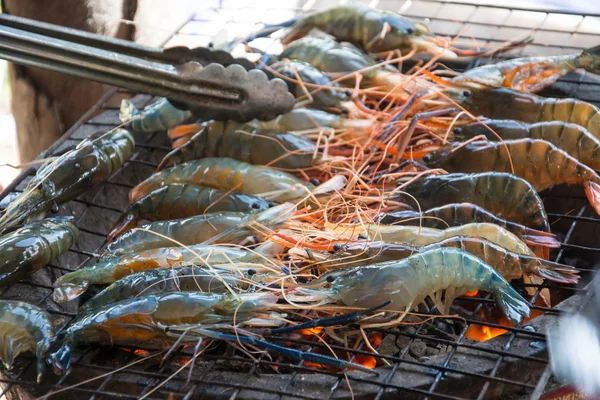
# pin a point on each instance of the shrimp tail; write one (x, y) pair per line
(592, 191)
(126, 222)
(13, 341)
(183, 132)
(590, 60)
(514, 306)
(64, 292)
(547, 240)
(128, 111)
(556, 272)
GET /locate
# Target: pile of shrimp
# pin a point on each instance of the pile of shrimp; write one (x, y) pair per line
(378, 191)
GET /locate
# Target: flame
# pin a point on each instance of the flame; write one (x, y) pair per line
(140, 352)
(482, 333)
(363, 359)
(472, 294)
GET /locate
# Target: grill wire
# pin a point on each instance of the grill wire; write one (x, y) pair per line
(510, 363)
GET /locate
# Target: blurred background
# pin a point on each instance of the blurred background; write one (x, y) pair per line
(37, 107)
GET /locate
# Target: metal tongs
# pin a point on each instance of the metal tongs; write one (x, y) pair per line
(210, 83)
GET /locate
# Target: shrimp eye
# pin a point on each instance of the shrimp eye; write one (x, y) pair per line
(251, 272)
(337, 247)
(348, 93)
(315, 182)
(467, 93)
(255, 206)
(410, 31)
(362, 236)
(330, 278)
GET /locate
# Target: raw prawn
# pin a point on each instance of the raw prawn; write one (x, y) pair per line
(228, 174)
(217, 227)
(505, 195)
(456, 214)
(24, 327)
(572, 138)
(33, 246)
(539, 162)
(159, 116)
(70, 175)
(184, 200)
(409, 281)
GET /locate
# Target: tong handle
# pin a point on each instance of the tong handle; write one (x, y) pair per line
(212, 91)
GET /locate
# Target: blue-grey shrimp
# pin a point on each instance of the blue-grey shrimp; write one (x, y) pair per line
(24, 327)
(72, 174)
(220, 227)
(33, 246)
(158, 116)
(505, 195)
(456, 214)
(184, 200)
(409, 281)
(228, 174)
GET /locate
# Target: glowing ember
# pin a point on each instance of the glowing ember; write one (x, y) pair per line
(471, 294)
(311, 331)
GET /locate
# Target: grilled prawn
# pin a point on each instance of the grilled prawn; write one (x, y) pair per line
(409, 281)
(158, 116)
(190, 278)
(456, 214)
(502, 103)
(74, 284)
(509, 264)
(24, 327)
(531, 74)
(505, 195)
(227, 174)
(539, 162)
(217, 227)
(76, 171)
(184, 200)
(572, 138)
(245, 143)
(374, 31)
(340, 60)
(145, 319)
(33, 246)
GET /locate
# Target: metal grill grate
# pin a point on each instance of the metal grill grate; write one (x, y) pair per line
(513, 362)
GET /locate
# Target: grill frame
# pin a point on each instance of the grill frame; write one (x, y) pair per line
(303, 383)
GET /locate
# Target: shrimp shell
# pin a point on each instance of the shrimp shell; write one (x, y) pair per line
(181, 201)
(227, 174)
(145, 319)
(161, 280)
(572, 138)
(502, 103)
(539, 162)
(70, 175)
(455, 214)
(409, 281)
(24, 327)
(509, 264)
(505, 195)
(158, 116)
(33, 246)
(245, 143)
